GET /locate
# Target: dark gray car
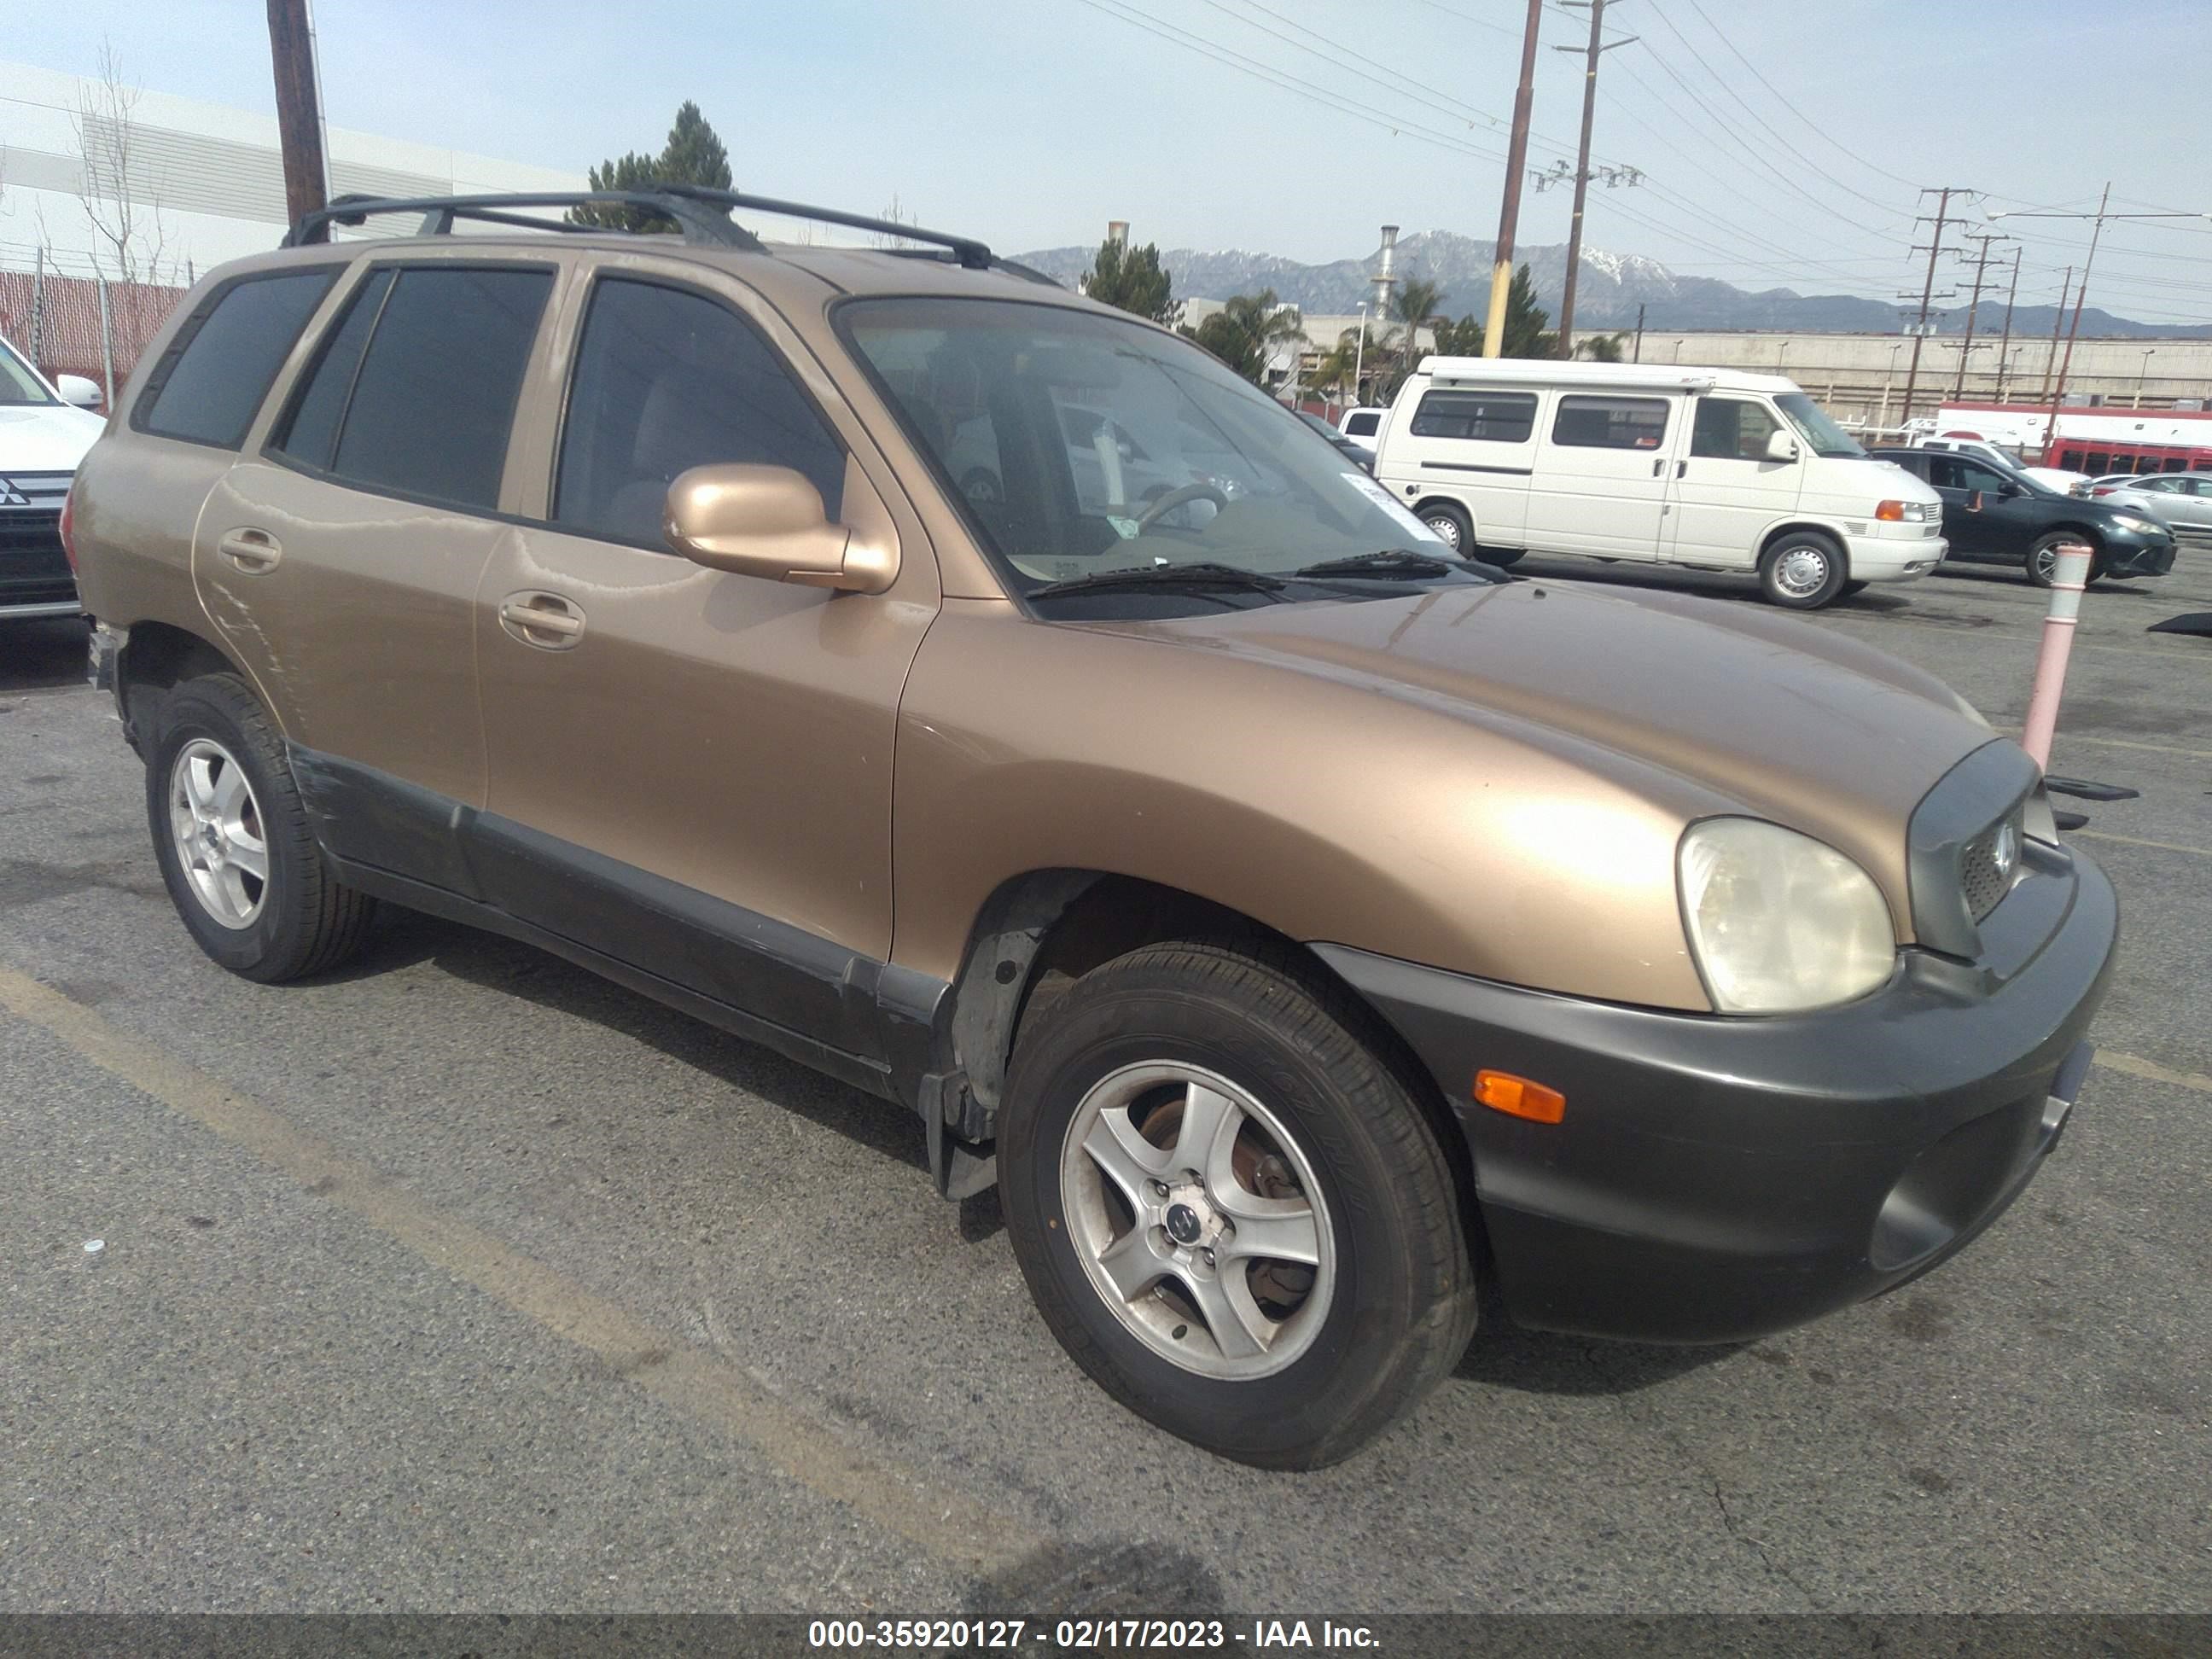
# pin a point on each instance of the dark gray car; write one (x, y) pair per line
(1993, 515)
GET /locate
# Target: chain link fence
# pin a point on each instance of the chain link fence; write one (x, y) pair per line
(68, 323)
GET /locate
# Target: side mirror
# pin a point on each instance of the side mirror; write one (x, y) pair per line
(1781, 447)
(77, 390)
(768, 521)
(1973, 500)
(2008, 489)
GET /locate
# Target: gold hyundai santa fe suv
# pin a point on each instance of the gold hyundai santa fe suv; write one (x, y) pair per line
(988, 698)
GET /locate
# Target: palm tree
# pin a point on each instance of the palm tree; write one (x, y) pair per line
(1335, 367)
(1413, 305)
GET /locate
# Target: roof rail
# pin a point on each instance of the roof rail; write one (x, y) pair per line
(701, 215)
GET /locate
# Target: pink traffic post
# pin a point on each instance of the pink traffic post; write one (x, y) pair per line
(2071, 577)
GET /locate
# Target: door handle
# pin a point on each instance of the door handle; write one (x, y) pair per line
(251, 550)
(1681, 469)
(544, 620)
(1658, 466)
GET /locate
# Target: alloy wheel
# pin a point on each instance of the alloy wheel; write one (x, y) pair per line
(215, 825)
(1198, 1220)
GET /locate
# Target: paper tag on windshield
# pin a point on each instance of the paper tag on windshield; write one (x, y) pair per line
(1125, 528)
(1382, 498)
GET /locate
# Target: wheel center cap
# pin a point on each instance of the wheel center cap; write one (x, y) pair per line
(211, 838)
(1182, 1223)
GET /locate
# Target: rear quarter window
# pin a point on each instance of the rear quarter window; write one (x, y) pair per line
(1361, 426)
(1503, 417)
(210, 381)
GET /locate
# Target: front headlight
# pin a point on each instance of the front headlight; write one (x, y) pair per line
(2137, 522)
(1778, 922)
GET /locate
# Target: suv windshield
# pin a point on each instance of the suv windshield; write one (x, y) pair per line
(18, 385)
(1082, 444)
(1816, 428)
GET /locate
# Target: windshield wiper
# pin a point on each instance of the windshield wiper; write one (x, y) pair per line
(1202, 574)
(1388, 563)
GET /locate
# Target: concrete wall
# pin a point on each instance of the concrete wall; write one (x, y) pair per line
(1862, 377)
(206, 181)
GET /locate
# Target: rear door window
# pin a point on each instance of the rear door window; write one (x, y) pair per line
(667, 380)
(416, 391)
(1610, 422)
(1504, 417)
(210, 383)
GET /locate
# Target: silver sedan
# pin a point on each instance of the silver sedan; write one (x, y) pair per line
(2182, 500)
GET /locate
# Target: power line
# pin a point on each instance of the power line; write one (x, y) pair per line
(1734, 152)
(1785, 103)
(1729, 87)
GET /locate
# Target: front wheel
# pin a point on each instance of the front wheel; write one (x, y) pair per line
(1803, 571)
(2043, 557)
(1230, 1207)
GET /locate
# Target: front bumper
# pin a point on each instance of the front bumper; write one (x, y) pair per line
(1716, 1178)
(1878, 556)
(2128, 554)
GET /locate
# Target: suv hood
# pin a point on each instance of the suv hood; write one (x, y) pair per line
(1753, 712)
(44, 437)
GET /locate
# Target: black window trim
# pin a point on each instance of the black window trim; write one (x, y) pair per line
(1658, 446)
(1535, 408)
(324, 475)
(573, 361)
(157, 379)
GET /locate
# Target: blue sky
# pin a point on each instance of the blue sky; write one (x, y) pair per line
(1030, 122)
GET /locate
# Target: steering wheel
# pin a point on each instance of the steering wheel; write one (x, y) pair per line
(1175, 498)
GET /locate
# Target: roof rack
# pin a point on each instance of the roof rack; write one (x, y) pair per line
(701, 216)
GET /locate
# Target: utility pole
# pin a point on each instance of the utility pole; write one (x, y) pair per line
(1928, 289)
(1596, 50)
(2080, 294)
(1517, 158)
(299, 108)
(1638, 357)
(1973, 309)
(2005, 339)
(2050, 360)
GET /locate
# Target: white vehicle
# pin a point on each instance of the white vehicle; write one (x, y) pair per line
(1700, 467)
(44, 429)
(2008, 459)
(1364, 427)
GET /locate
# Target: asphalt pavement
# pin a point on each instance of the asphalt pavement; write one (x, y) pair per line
(461, 1280)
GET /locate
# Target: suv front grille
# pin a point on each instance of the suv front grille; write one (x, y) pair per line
(1988, 863)
(33, 567)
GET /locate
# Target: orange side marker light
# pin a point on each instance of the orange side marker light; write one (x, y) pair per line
(1516, 1096)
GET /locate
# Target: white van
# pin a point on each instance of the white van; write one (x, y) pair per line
(1700, 467)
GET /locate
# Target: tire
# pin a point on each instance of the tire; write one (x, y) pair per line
(221, 800)
(2042, 556)
(1803, 571)
(1347, 1344)
(1451, 526)
(1850, 588)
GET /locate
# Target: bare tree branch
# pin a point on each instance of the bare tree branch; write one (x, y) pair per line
(123, 204)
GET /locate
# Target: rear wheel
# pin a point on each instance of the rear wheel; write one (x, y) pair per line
(1803, 571)
(1450, 526)
(1230, 1207)
(233, 842)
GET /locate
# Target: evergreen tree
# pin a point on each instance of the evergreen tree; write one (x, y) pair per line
(692, 155)
(1131, 279)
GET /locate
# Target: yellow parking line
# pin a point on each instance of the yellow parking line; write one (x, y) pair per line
(2064, 736)
(2136, 1067)
(2137, 841)
(948, 1523)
